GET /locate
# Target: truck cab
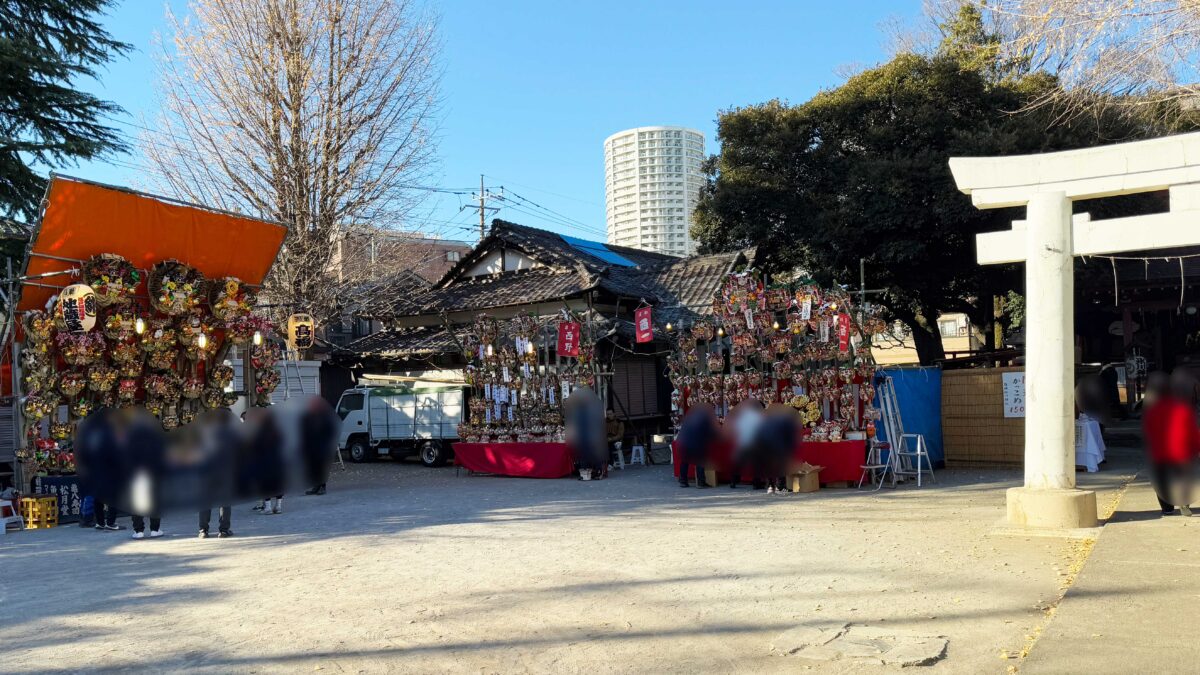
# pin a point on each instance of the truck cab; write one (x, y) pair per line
(401, 420)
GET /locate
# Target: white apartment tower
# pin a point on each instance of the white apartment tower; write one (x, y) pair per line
(652, 182)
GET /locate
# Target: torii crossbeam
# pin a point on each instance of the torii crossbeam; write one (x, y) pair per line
(1047, 241)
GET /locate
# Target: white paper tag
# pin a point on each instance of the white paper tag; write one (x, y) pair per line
(824, 331)
(566, 390)
(505, 373)
(806, 308)
(513, 397)
(487, 390)
(510, 414)
(749, 319)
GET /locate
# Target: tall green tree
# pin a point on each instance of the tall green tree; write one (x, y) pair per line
(45, 121)
(862, 171)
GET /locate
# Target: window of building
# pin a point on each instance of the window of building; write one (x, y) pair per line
(453, 256)
(952, 328)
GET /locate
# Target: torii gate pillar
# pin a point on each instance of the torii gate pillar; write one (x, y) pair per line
(1049, 497)
(1047, 241)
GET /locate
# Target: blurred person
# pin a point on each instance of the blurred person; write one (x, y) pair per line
(777, 440)
(696, 434)
(98, 461)
(319, 426)
(585, 430)
(614, 432)
(1092, 400)
(265, 441)
(1172, 438)
(747, 416)
(220, 441)
(144, 445)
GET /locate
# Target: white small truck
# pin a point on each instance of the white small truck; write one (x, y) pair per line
(401, 420)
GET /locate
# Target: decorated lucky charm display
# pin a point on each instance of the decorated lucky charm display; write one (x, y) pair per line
(517, 387)
(100, 345)
(797, 344)
(113, 278)
(230, 299)
(175, 288)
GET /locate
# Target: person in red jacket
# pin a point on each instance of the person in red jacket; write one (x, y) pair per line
(1172, 438)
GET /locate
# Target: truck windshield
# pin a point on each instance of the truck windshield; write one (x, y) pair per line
(348, 404)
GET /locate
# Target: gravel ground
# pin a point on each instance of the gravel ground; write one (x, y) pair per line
(407, 569)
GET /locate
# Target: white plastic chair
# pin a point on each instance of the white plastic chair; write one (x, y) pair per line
(637, 455)
(12, 517)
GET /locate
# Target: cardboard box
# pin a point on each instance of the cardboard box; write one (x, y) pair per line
(804, 482)
(710, 477)
(804, 478)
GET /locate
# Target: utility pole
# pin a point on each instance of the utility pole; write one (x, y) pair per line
(482, 201)
(483, 197)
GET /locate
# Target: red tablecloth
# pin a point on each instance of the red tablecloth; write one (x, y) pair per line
(528, 460)
(842, 460)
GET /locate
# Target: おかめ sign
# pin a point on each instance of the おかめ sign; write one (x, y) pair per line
(1014, 394)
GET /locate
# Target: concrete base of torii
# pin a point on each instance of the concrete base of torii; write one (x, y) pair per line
(1052, 509)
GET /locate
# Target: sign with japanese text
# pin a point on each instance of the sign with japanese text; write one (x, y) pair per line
(568, 338)
(66, 488)
(1014, 394)
(843, 332)
(76, 308)
(643, 326)
(301, 329)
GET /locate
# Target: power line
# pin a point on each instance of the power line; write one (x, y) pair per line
(561, 216)
(555, 194)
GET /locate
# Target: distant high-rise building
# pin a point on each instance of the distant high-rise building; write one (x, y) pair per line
(652, 182)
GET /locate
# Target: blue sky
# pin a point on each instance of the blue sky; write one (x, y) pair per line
(532, 87)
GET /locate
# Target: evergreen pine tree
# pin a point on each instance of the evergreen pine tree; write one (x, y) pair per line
(45, 122)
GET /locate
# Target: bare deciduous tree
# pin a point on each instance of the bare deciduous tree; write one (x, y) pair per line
(316, 113)
(1136, 53)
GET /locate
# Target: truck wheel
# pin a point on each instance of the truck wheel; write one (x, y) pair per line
(434, 454)
(359, 451)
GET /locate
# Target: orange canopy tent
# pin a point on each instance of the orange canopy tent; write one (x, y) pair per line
(82, 219)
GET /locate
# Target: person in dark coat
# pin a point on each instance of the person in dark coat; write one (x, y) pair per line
(696, 435)
(777, 441)
(267, 458)
(221, 445)
(146, 447)
(319, 426)
(99, 464)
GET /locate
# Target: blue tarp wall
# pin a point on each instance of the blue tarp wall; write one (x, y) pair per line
(919, 391)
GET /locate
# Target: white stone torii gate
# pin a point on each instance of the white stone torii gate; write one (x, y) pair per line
(1047, 240)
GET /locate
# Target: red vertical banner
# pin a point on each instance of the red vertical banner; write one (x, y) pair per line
(643, 326)
(568, 338)
(843, 332)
